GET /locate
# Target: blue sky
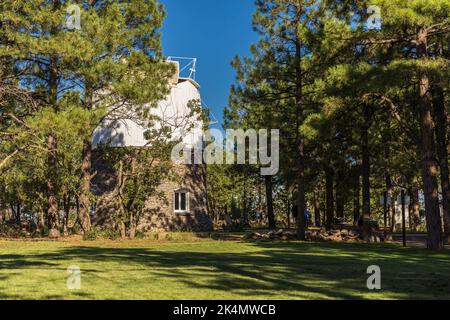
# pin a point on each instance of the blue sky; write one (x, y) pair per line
(213, 31)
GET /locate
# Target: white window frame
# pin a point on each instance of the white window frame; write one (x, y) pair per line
(179, 192)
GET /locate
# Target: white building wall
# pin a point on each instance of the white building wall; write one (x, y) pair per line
(173, 111)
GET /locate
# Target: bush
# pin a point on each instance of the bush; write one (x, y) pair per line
(153, 236)
(171, 236)
(75, 229)
(109, 234)
(235, 227)
(176, 236)
(140, 235)
(90, 236)
(12, 231)
(101, 233)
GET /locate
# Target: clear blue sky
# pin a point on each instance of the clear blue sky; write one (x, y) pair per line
(213, 31)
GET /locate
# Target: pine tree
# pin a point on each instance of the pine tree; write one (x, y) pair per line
(118, 54)
(414, 25)
(112, 59)
(283, 64)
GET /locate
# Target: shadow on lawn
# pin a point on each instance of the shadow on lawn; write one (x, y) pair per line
(297, 270)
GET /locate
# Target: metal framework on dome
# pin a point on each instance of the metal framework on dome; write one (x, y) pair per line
(186, 65)
(190, 65)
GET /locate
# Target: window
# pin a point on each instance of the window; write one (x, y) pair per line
(181, 201)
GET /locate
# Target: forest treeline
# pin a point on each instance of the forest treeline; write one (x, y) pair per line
(358, 89)
(360, 93)
(65, 67)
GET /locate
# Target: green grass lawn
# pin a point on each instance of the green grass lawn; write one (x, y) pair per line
(210, 269)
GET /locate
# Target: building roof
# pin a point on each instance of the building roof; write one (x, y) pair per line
(195, 83)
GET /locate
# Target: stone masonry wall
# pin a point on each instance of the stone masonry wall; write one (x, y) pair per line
(160, 214)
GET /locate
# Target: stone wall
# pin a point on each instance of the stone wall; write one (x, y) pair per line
(159, 214)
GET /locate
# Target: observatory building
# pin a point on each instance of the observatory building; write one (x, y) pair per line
(184, 205)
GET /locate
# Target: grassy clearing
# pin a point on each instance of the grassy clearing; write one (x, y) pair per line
(210, 269)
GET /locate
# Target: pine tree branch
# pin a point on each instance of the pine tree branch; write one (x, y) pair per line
(5, 161)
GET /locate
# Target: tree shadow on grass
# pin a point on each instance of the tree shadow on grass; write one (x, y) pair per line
(293, 270)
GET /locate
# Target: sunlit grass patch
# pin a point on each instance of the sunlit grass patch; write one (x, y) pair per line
(209, 269)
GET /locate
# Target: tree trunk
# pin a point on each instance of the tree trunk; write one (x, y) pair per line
(133, 226)
(245, 204)
(123, 230)
(415, 207)
(86, 168)
(85, 202)
(340, 199)
(300, 143)
(41, 222)
(2, 213)
(66, 214)
(261, 205)
(391, 205)
(317, 218)
(329, 181)
(428, 147)
(121, 178)
(357, 200)
(410, 210)
(366, 174)
(18, 213)
(441, 133)
(289, 215)
(390, 214)
(53, 221)
(269, 204)
(301, 202)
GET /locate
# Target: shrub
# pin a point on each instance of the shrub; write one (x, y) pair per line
(140, 235)
(175, 236)
(109, 234)
(90, 236)
(235, 227)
